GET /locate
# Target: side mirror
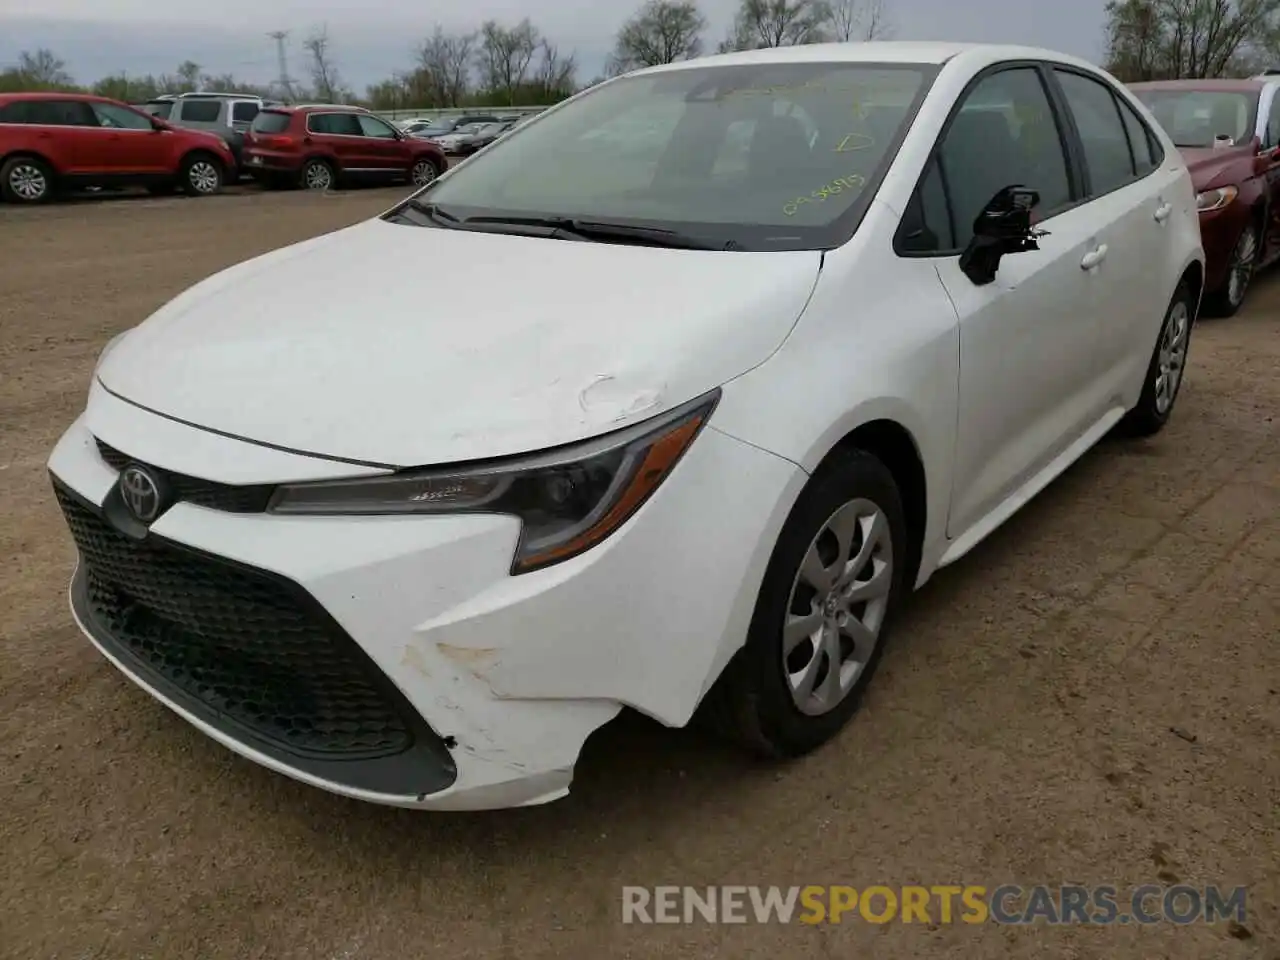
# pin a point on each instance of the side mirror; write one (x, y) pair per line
(1003, 226)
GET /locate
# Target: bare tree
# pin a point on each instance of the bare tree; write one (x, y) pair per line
(853, 20)
(505, 55)
(324, 72)
(555, 76)
(42, 70)
(188, 76)
(662, 31)
(1174, 39)
(778, 23)
(446, 60)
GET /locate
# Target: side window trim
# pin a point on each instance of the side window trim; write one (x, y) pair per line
(1153, 142)
(1068, 140)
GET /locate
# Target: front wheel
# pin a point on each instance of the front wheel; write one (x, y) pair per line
(822, 614)
(1164, 373)
(202, 176)
(26, 180)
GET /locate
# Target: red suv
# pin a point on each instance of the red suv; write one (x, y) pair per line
(54, 141)
(316, 146)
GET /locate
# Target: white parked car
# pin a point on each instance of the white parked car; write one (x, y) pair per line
(728, 406)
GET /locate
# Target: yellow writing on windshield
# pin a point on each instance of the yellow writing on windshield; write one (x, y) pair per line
(854, 141)
(851, 183)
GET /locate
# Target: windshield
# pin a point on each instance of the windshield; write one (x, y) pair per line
(1192, 118)
(770, 156)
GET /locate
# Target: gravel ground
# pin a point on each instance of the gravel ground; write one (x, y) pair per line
(1092, 696)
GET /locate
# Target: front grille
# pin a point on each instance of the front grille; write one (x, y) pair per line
(204, 493)
(239, 642)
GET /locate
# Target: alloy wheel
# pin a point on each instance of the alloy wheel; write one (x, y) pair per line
(424, 172)
(28, 182)
(838, 602)
(318, 177)
(1172, 356)
(1243, 260)
(203, 177)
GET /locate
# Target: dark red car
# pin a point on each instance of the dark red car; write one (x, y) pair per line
(51, 142)
(1229, 134)
(316, 147)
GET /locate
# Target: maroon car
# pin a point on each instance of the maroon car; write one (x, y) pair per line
(1229, 134)
(317, 147)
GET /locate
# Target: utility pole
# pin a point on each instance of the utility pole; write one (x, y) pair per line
(283, 81)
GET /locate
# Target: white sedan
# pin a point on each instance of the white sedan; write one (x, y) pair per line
(729, 397)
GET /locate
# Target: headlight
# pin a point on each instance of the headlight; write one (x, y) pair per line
(1212, 200)
(568, 499)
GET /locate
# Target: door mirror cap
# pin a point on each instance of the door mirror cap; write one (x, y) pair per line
(1004, 226)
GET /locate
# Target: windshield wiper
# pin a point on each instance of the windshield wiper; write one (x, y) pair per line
(433, 211)
(578, 228)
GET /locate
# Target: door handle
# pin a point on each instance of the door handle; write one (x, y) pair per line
(1162, 213)
(1094, 257)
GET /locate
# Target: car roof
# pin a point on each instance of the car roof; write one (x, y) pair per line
(1224, 86)
(54, 95)
(314, 107)
(876, 51)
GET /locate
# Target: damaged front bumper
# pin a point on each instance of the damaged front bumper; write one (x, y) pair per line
(395, 659)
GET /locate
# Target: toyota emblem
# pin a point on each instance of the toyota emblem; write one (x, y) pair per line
(140, 492)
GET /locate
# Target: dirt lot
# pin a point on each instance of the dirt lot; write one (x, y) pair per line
(1093, 697)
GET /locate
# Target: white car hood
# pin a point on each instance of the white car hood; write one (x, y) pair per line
(523, 343)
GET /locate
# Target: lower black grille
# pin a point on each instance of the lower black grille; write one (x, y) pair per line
(249, 498)
(248, 649)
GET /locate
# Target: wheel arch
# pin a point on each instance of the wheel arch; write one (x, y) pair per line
(896, 447)
(326, 158)
(192, 152)
(1193, 276)
(30, 155)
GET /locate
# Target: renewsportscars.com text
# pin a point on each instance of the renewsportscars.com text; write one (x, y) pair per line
(944, 904)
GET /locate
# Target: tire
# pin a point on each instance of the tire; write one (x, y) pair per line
(317, 175)
(1229, 298)
(757, 700)
(423, 172)
(26, 180)
(1168, 359)
(202, 175)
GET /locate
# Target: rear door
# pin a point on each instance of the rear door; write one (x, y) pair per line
(128, 144)
(339, 135)
(1133, 199)
(65, 131)
(387, 153)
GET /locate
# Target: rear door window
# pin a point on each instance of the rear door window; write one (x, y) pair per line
(244, 111)
(335, 124)
(1102, 132)
(199, 111)
(61, 113)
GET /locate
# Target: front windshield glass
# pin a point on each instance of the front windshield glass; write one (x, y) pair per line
(771, 156)
(1193, 118)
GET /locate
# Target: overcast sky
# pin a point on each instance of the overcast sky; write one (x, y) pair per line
(99, 37)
